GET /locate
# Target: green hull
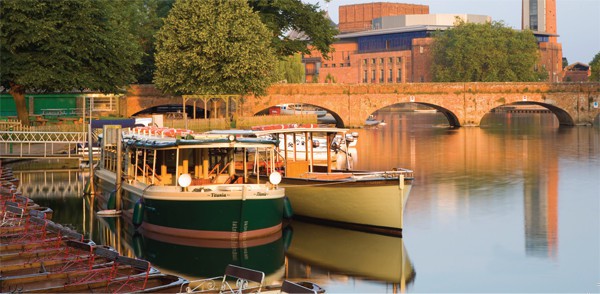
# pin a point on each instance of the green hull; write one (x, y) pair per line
(200, 215)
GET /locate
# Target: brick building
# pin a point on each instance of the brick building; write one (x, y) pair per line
(540, 17)
(391, 43)
(577, 72)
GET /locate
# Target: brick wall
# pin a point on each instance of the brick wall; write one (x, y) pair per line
(358, 17)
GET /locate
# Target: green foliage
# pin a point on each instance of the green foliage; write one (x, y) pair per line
(214, 47)
(595, 64)
(490, 52)
(147, 17)
(330, 78)
(291, 69)
(282, 16)
(62, 45)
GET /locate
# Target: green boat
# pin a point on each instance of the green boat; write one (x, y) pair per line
(174, 182)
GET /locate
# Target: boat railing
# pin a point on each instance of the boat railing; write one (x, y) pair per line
(148, 176)
(395, 173)
(217, 171)
(235, 280)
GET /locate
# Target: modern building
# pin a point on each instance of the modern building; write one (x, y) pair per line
(391, 43)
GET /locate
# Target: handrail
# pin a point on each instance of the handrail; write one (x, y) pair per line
(42, 137)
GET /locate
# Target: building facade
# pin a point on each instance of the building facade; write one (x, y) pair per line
(391, 43)
(539, 16)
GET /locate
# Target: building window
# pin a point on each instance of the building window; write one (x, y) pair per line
(391, 60)
(333, 65)
(381, 75)
(365, 77)
(325, 65)
(373, 60)
(389, 75)
(373, 75)
(398, 60)
(380, 60)
(341, 65)
(399, 76)
(421, 49)
(364, 62)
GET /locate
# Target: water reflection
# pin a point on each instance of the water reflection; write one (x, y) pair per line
(317, 252)
(514, 200)
(477, 165)
(53, 183)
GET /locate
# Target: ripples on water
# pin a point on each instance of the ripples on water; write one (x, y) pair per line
(511, 206)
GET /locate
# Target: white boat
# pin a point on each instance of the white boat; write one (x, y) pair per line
(364, 200)
(292, 109)
(183, 184)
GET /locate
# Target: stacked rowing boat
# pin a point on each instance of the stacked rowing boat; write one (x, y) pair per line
(38, 255)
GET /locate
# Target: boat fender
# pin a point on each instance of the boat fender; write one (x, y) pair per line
(112, 200)
(138, 212)
(288, 212)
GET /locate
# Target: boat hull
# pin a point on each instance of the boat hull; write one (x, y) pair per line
(374, 205)
(219, 212)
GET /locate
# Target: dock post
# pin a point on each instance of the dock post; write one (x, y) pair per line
(91, 190)
(119, 169)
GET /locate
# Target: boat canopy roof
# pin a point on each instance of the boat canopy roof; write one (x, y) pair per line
(199, 141)
(295, 128)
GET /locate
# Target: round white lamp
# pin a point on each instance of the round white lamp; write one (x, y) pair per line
(275, 178)
(184, 180)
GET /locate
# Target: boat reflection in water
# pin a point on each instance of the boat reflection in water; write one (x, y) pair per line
(194, 258)
(317, 252)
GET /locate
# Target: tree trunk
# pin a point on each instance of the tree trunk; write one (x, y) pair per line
(18, 94)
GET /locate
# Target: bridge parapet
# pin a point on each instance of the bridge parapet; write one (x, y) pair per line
(462, 103)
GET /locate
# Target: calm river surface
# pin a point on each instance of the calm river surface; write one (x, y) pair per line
(512, 206)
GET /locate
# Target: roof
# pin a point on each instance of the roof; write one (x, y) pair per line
(417, 28)
(577, 66)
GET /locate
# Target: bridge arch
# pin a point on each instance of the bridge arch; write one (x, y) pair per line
(166, 108)
(339, 122)
(564, 118)
(453, 120)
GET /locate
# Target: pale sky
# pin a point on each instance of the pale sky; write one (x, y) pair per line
(578, 21)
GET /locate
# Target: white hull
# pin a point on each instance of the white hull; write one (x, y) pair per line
(380, 206)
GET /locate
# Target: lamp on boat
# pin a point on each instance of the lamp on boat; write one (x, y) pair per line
(275, 178)
(184, 181)
(231, 137)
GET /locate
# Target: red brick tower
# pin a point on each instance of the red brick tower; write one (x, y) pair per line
(540, 17)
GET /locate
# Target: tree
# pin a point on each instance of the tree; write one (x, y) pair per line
(65, 45)
(291, 69)
(149, 15)
(490, 52)
(283, 16)
(214, 47)
(595, 64)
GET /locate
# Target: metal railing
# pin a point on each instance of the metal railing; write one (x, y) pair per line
(23, 144)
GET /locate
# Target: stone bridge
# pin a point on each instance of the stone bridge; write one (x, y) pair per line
(464, 104)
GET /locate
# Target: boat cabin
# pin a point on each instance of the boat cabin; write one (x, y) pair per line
(160, 156)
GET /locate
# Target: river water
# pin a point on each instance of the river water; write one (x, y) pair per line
(511, 206)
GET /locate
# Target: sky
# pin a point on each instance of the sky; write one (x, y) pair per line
(578, 21)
